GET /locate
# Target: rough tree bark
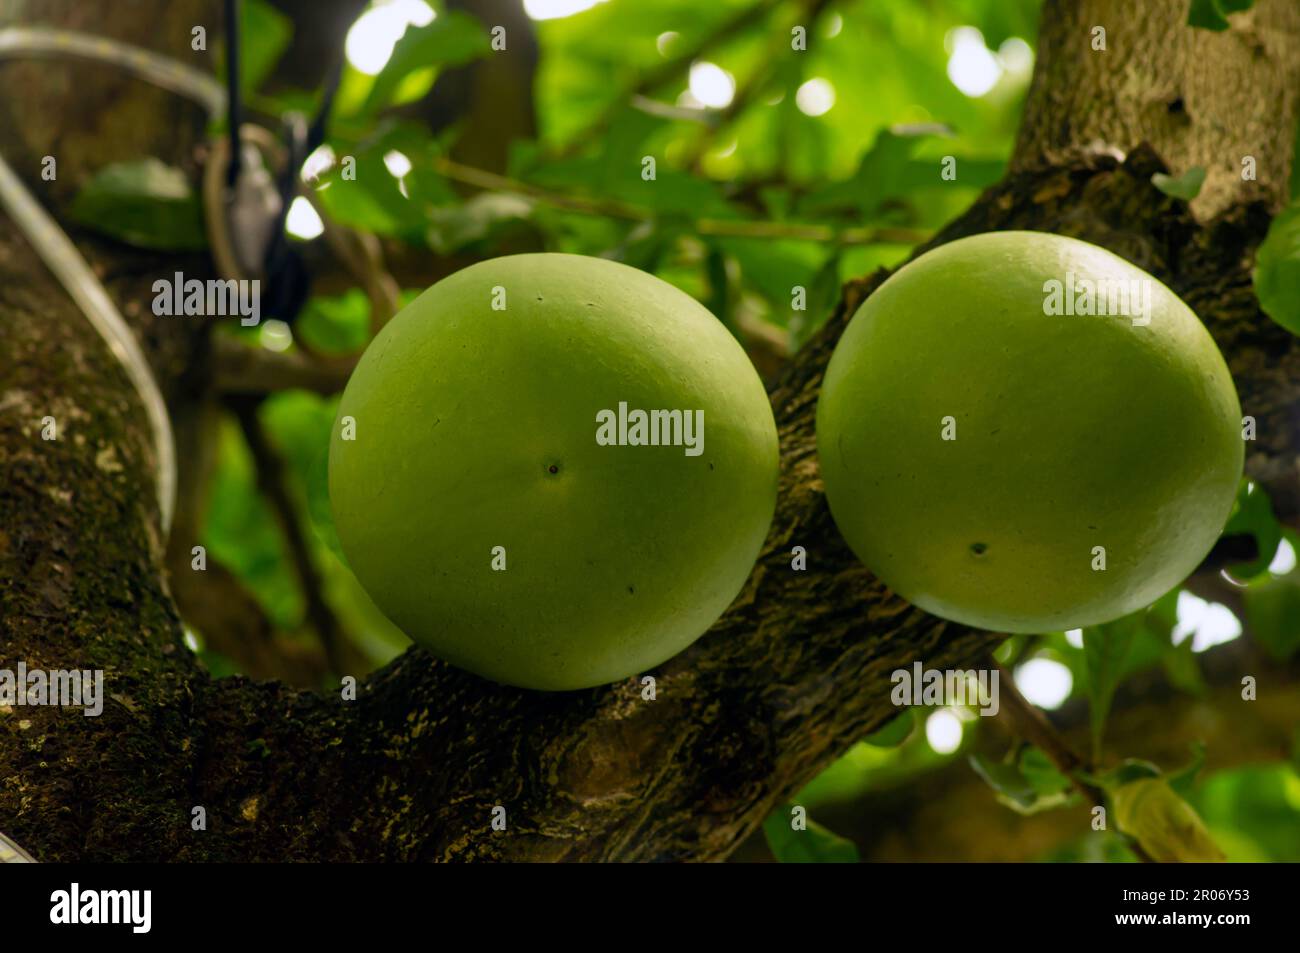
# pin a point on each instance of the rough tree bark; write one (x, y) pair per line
(795, 671)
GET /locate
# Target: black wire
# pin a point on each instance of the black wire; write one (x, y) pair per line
(316, 134)
(288, 280)
(234, 107)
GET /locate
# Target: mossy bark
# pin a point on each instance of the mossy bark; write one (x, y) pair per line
(795, 672)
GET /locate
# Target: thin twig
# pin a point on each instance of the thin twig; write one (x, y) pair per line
(272, 480)
(1031, 725)
(725, 228)
(666, 71)
(240, 368)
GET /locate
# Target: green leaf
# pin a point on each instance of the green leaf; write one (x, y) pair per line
(1011, 786)
(822, 295)
(1104, 649)
(1206, 15)
(338, 325)
(1182, 779)
(452, 39)
(372, 201)
(895, 731)
(1183, 669)
(815, 845)
(881, 173)
(264, 34)
(1252, 514)
(1186, 186)
(1166, 826)
(1213, 14)
(1161, 616)
(1277, 270)
(452, 227)
(1042, 775)
(715, 266)
(1126, 772)
(1273, 611)
(1039, 788)
(144, 203)
(646, 243)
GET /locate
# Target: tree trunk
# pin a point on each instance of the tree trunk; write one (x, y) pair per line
(795, 671)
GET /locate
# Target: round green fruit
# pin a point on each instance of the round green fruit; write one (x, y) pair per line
(988, 446)
(504, 504)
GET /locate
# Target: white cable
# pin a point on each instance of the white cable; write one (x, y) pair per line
(61, 256)
(145, 64)
(63, 259)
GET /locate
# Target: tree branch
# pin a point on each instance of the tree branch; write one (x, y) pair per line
(796, 670)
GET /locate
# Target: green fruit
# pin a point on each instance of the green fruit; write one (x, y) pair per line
(476, 428)
(1078, 437)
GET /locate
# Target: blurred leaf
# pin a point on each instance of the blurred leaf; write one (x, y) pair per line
(1003, 778)
(715, 266)
(1273, 614)
(319, 509)
(816, 845)
(452, 227)
(1186, 186)
(300, 424)
(823, 294)
(1017, 790)
(880, 174)
(646, 243)
(1212, 14)
(240, 531)
(453, 38)
(1105, 648)
(1252, 513)
(1038, 770)
(1126, 772)
(144, 203)
(895, 732)
(1183, 779)
(1277, 270)
(1183, 669)
(1258, 804)
(338, 325)
(1166, 826)
(1161, 617)
(372, 201)
(264, 35)
(775, 267)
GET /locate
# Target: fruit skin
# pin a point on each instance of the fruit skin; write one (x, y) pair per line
(1071, 432)
(616, 561)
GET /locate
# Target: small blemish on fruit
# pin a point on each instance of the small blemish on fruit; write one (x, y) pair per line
(553, 468)
(631, 590)
(979, 549)
(710, 464)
